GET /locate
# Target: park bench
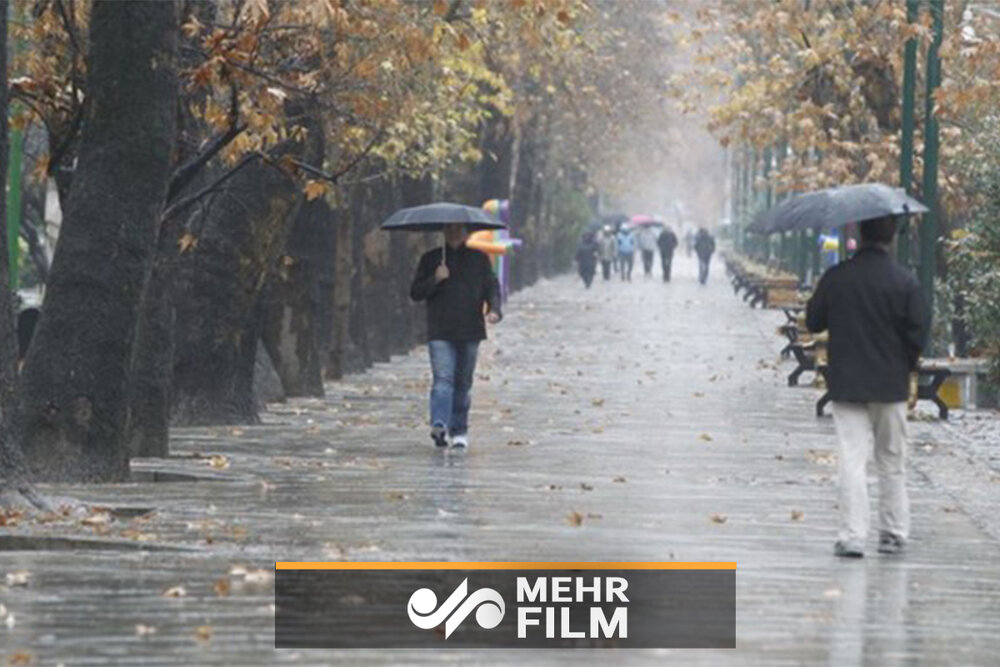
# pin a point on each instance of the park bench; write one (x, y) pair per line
(790, 329)
(809, 356)
(762, 285)
(961, 389)
(929, 381)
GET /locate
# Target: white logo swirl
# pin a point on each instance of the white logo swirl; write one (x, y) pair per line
(425, 614)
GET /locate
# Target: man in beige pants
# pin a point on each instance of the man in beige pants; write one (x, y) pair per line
(878, 325)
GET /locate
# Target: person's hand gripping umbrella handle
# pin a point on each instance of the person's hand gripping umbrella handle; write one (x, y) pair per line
(442, 273)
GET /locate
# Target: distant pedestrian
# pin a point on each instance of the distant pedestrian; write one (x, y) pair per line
(646, 240)
(667, 241)
(458, 285)
(878, 324)
(688, 242)
(607, 249)
(586, 258)
(626, 252)
(704, 246)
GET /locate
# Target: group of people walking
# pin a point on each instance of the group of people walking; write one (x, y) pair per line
(615, 251)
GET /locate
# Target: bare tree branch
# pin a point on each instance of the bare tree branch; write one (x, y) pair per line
(210, 188)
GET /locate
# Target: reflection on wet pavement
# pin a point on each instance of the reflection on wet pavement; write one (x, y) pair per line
(637, 421)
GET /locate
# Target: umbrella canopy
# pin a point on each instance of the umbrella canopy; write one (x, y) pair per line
(435, 217)
(838, 206)
(499, 208)
(641, 220)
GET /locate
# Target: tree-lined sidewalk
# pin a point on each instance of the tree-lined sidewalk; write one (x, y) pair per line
(628, 422)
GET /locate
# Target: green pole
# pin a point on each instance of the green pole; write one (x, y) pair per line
(929, 225)
(906, 141)
(768, 197)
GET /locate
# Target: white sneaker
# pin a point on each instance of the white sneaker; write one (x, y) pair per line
(460, 441)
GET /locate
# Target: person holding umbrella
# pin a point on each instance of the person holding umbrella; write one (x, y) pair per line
(462, 295)
(878, 325)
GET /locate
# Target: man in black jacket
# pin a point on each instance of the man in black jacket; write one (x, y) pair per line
(457, 282)
(878, 325)
(667, 241)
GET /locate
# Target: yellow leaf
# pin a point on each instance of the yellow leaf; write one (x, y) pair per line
(315, 189)
(187, 242)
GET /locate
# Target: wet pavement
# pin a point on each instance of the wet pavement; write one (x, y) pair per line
(641, 421)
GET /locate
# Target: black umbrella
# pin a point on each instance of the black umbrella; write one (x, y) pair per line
(838, 206)
(434, 218)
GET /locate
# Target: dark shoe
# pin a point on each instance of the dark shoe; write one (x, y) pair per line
(848, 549)
(890, 543)
(439, 434)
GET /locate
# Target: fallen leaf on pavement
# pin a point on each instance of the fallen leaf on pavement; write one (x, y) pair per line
(619, 479)
(706, 437)
(175, 592)
(203, 633)
(221, 587)
(586, 487)
(575, 519)
(97, 519)
(797, 515)
(719, 518)
(144, 630)
(18, 578)
(218, 461)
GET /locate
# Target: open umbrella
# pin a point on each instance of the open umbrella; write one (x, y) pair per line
(838, 206)
(435, 217)
(642, 220)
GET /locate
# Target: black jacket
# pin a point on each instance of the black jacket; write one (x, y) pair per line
(878, 325)
(455, 305)
(704, 245)
(667, 241)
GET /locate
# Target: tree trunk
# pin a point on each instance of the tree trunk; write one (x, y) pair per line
(150, 390)
(495, 167)
(293, 311)
(523, 209)
(218, 288)
(340, 352)
(75, 379)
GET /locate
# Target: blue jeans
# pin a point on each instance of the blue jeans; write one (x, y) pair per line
(452, 364)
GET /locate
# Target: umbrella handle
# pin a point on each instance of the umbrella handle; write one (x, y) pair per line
(444, 251)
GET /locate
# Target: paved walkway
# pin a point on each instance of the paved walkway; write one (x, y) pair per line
(628, 422)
